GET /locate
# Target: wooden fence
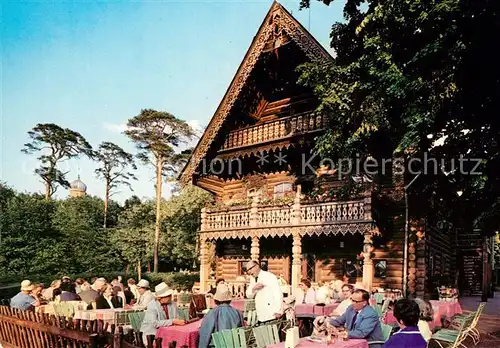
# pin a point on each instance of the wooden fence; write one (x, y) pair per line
(26, 329)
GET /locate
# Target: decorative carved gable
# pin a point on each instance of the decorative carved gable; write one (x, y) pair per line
(277, 29)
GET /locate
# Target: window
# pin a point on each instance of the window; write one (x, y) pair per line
(280, 190)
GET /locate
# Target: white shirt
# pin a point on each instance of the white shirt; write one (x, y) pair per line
(342, 307)
(323, 295)
(425, 330)
(145, 299)
(269, 299)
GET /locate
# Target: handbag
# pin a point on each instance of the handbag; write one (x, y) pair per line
(292, 337)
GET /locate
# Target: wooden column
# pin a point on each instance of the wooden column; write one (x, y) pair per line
(204, 261)
(255, 249)
(296, 261)
(367, 261)
(204, 265)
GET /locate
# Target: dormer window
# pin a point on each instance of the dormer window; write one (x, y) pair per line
(281, 190)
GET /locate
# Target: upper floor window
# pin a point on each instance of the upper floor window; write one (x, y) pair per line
(280, 190)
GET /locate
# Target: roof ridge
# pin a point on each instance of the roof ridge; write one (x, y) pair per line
(276, 15)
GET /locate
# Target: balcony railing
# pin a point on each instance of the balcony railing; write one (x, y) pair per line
(296, 214)
(282, 128)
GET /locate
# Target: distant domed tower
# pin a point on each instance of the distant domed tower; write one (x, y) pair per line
(77, 188)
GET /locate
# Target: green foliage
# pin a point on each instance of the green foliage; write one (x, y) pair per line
(179, 280)
(42, 239)
(180, 223)
(55, 144)
(156, 134)
(28, 237)
(114, 166)
(134, 234)
(407, 73)
(79, 220)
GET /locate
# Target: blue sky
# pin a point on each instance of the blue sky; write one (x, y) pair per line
(90, 66)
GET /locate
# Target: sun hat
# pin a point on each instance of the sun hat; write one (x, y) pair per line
(222, 293)
(143, 283)
(162, 290)
(26, 285)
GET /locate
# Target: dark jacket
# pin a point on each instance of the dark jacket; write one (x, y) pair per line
(89, 296)
(69, 296)
(101, 302)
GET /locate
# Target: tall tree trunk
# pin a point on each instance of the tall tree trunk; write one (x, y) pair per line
(106, 202)
(139, 275)
(47, 190)
(159, 177)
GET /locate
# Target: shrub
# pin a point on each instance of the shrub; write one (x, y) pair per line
(178, 280)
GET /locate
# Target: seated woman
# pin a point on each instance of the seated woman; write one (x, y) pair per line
(323, 294)
(68, 293)
(426, 316)
(308, 295)
(107, 299)
(407, 313)
(217, 282)
(222, 317)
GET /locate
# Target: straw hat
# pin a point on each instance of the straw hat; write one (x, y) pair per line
(143, 283)
(26, 285)
(162, 290)
(222, 293)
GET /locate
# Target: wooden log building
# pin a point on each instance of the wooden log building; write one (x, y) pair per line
(277, 203)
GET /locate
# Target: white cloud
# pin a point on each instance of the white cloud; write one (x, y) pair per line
(115, 128)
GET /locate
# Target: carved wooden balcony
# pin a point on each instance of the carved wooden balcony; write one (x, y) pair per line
(306, 218)
(282, 128)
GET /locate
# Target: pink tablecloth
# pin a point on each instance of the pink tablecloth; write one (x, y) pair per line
(305, 343)
(390, 319)
(238, 304)
(310, 310)
(449, 309)
(184, 335)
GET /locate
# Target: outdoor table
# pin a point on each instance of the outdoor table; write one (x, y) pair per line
(116, 316)
(239, 304)
(188, 334)
(310, 310)
(449, 309)
(305, 343)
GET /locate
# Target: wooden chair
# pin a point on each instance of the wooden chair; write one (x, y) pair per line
(234, 338)
(386, 333)
(251, 318)
(135, 319)
(473, 332)
(454, 338)
(265, 335)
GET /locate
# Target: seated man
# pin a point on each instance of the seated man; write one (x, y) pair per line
(361, 320)
(222, 317)
(407, 313)
(24, 300)
(160, 312)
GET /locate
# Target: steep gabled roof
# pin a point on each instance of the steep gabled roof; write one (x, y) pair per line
(277, 16)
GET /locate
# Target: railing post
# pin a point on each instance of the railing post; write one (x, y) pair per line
(203, 219)
(254, 211)
(296, 213)
(367, 207)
